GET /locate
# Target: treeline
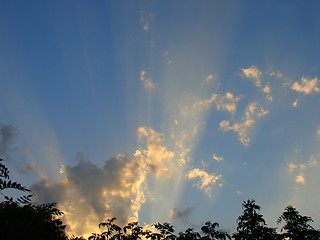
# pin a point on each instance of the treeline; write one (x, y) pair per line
(251, 226)
(19, 219)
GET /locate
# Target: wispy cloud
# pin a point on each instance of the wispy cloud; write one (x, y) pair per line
(300, 170)
(295, 103)
(166, 55)
(226, 102)
(276, 74)
(256, 75)
(253, 112)
(307, 85)
(238, 192)
(206, 181)
(217, 158)
(145, 20)
(253, 73)
(147, 82)
(209, 78)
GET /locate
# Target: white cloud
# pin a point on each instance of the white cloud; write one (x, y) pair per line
(307, 85)
(207, 181)
(256, 75)
(217, 158)
(300, 179)
(147, 82)
(267, 91)
(155, 155)
(226, 102)
(253, 112)
(253, 73)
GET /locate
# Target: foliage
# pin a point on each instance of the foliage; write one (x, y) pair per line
(36, 222)
(251, 225)
(20, 220)
(296, 226)
(209, 229)
(165, 231)
(6, 183)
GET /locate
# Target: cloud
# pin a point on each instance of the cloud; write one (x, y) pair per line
(253, 73)
(181, 215)
(90, 193)
(217, 158)
(8, 134)
(318, 130)
(238, 192)
(292, 167)
(256, 75)
(145, 20)
(226, 102)
(295, 104)
(300, 170)
(209, 78)
(307, 86)
(155, 155)
(267, 90)
(206, 181)
(253, 112)
(147, 83)
(300, 179)
(276, 74)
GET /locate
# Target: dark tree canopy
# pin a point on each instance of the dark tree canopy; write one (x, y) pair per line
(251, 225)
(21, 220)
(296, 226)
(36, 222)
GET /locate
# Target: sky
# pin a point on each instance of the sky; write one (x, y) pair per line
(157, 111)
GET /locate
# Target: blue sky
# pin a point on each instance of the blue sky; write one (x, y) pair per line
(162, 110)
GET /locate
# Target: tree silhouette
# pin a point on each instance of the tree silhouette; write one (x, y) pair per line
(6, 183)
(296, 226)
(209, 229)
(166, 231)
(251, 225)
(21, 220)
(189, 234)
(34, 222)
